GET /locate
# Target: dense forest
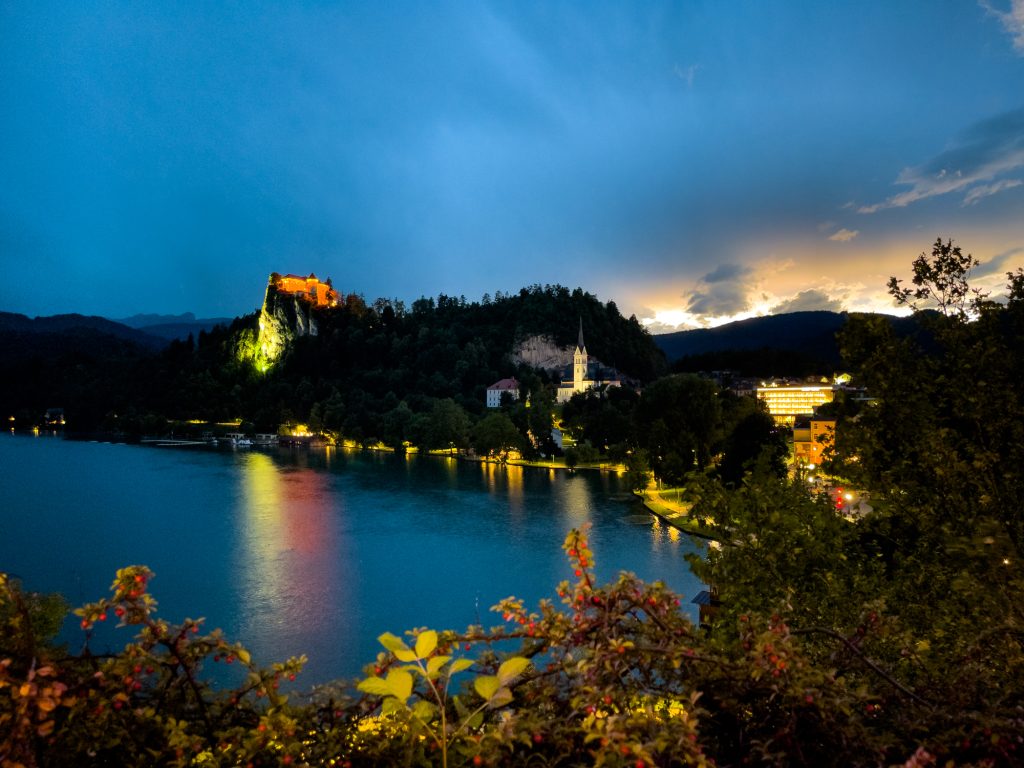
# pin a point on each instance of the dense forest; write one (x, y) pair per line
(372, 369)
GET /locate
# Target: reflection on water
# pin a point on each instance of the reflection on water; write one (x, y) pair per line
(291, 563)
(316, 552)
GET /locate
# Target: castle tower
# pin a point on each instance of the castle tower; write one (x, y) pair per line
(579, 362)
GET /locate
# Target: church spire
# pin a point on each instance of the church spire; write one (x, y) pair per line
(579, 344)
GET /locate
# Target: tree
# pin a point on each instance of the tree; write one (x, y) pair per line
(496, 435)
(942, 280)
(446, 427)
(679, 415)
(754, 434)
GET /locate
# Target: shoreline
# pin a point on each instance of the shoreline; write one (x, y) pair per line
(673, 514)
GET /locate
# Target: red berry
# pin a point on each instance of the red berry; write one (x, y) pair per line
(102, 617)
(477, 760)
(579, 572)
(119, 611)
(537, 738)
(809, 699)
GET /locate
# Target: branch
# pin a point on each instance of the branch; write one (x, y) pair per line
(860, 654)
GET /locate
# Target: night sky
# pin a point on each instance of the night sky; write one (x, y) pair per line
(692, 161)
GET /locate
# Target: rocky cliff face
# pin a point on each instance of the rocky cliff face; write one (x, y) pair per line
(283, 318)
(542, 352)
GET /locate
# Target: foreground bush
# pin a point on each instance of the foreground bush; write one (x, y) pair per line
(615, 676)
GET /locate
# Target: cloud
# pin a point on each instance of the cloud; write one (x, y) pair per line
(1001, 262)
(724, 291)
(808, 301)
(844, 235)
(724, 272)
(977, 193)
(686, 74)
(1012, 21)
(986, 150)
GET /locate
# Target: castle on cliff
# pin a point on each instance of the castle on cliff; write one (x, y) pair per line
(321, 294)
(288, 312)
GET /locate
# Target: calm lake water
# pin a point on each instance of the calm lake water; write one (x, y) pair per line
(313, 552)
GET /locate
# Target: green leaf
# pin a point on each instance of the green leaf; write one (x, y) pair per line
(392, 643)
(424, 710)
(510, 669)
(399, 684)
(392, 705)
(501, 697)
(374, 685)
(459, 665)
(486, 685)
(434, 665)
(426, 642)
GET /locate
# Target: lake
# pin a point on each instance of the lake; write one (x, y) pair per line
(294, 551)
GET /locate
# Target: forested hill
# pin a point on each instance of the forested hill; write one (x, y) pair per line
(20, 332)
(810, 332)
(365, 361)
(791, 344)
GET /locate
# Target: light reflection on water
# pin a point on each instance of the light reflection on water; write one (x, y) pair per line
(291, 564)
(315, 552)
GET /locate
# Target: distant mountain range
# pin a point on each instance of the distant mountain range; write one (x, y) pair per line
(67, 330)
(21, 335)
(810, 332)
(795, 343)
(172, 327)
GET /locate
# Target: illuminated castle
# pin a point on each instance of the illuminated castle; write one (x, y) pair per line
(308, 288)
(288, 312)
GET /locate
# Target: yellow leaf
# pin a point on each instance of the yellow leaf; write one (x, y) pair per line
(392, 642)
(426, 642)
(399, 684)
(512, 668)
(487, 685)
(434, 665)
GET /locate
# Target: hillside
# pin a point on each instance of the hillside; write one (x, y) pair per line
(172, 327)
(368, 368)
(20, 330)
(810, 333)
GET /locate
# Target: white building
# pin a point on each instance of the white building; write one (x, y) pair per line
(499, 388)
(586, 374)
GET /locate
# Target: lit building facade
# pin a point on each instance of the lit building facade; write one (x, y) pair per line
(786, 402)
(499, 388)
(322, 294)
(810, 439)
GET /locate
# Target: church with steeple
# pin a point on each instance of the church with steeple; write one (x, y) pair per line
(586, 373)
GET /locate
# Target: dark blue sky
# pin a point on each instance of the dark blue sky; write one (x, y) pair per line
(692, 161)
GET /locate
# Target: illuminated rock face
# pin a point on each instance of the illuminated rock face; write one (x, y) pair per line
(284, 317)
